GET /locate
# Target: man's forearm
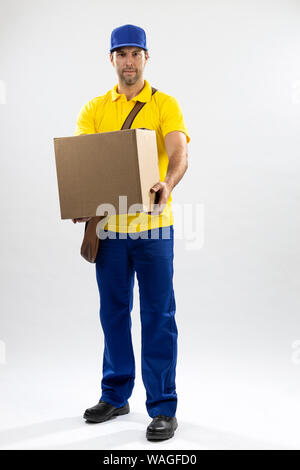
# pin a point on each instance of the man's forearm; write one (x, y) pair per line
(178, 164)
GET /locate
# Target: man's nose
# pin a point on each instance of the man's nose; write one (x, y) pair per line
(129, 61)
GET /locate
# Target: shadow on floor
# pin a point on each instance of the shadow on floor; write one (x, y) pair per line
(195, 436)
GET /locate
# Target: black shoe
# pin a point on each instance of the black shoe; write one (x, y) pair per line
(104, 411)
(161, 427)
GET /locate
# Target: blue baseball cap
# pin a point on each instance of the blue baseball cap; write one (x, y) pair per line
(128, 35)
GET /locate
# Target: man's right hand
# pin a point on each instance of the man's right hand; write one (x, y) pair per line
(81, 219)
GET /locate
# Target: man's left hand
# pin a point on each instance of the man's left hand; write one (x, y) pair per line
(164, 191)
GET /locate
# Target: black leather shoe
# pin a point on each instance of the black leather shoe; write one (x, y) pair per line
(161, 427)
(104, 411)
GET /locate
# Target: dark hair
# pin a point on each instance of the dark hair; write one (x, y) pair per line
(119, 48)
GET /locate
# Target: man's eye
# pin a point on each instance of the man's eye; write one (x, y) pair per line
(122, 53)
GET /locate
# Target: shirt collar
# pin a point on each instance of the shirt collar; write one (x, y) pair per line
(144, 95)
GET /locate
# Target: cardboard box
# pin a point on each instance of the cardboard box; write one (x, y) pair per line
(96, 169)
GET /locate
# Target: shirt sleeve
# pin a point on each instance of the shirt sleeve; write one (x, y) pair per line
(172, 118)
(85, 123)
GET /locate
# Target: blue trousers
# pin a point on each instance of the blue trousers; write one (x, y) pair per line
(150, 256)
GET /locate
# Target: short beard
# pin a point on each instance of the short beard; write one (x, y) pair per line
(130, 80)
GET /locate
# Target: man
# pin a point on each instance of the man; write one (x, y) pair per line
(145, 250)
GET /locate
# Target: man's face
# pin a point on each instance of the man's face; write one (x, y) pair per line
(129, 63)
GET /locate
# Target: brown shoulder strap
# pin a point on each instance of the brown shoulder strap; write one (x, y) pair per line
(131, 116)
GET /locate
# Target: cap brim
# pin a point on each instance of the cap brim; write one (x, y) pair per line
(126, 44)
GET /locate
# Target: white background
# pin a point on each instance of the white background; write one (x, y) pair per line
(234, 68)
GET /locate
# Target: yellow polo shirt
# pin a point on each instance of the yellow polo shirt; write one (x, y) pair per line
(162, 113)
